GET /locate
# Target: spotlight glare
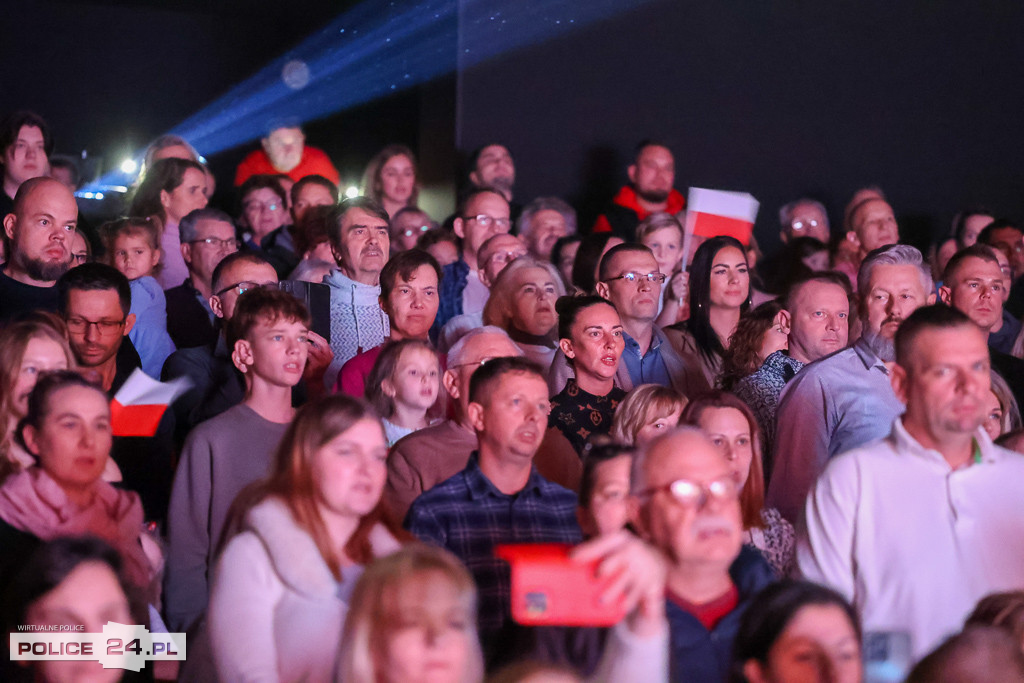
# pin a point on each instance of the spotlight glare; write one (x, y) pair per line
(99, 195)
(352, 191)
(129, 166)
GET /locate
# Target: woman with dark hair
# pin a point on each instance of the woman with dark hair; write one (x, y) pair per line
(590, 336)
(588, 258)
(796, 631)
(79, 576)
(170, 190)
(759, 334)
(719, 295)
(734, 431)
(65, 495)
(563, 257)
(297, 544)
(391, 179)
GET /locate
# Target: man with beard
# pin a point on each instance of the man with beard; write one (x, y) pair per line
(651, 177)
(38, 238)
(920, 565)
(846, 400)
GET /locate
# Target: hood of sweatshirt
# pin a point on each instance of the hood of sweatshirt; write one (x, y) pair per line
(354, 293)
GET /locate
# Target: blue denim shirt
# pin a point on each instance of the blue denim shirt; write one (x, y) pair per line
(644, 368)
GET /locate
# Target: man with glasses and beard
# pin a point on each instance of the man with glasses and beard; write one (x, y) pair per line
(845, 400)
(38, 240)
(651, 177)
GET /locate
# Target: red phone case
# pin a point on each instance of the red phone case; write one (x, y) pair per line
(549, 589)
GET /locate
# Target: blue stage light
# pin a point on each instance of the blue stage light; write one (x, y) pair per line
(378, 48)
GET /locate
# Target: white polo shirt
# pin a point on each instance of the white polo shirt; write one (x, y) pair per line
(912, 543)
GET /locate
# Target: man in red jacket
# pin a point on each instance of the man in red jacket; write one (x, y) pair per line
(651, 177)
(285, 151)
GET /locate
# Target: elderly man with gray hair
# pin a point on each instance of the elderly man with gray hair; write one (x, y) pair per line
(845, 400)
(543, 222)
(429, 456)
(804, 218)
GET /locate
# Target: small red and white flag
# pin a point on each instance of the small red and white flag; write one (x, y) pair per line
(710, 213)
(140, 403)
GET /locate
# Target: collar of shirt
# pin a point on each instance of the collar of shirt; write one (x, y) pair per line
(903, 442)
(868, 357)
(656, 338)
(480, 486)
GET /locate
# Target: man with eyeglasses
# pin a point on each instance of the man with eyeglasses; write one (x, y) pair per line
(629, 278)
(483, 214)
(207, 236)
(496, 253)
(686, 503)
(95, 300)
(38, 237)
(804, 218)
(499, 497)
(427, 457)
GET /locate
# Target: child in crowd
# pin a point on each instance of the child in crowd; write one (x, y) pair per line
(133, 247)
(604, 488)
(663, 235)
(404, 386)
(267, 337)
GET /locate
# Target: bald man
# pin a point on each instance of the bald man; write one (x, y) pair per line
(38, 239)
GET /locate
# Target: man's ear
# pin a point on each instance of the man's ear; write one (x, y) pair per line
(459, 226)
(785, 319)
(474, 178)
(754, 671)
(930, 300)
(129, 323)
(9, 221)
(631, 172)
(216, 306)
(945, 294)
(851, 237)
(898, 379)
(475, 412)
(265, 143)
(241, 356)
(451, 383)
(602, 290)
(186, 252)
(566, 346)
(382, 302)
(783, 236)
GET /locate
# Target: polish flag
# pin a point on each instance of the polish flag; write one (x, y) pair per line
(710, 213)
(140, 403)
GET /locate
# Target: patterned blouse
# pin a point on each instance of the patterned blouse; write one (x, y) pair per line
(776, 541)
(579, 414)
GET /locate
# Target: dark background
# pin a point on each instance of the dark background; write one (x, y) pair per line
(780, 99)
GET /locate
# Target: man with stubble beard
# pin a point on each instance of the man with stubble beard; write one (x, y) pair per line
(38, 238)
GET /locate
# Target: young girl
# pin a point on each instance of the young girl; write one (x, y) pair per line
(404, 386)
(133, 248)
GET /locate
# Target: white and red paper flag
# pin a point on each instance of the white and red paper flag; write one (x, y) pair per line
(140, 403)
(710, 213)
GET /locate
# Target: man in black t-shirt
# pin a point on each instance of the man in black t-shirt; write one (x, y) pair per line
(38, 238)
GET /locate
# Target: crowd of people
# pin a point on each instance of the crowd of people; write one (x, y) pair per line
(799, 467)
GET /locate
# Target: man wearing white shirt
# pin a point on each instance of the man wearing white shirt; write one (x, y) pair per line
(916, 527)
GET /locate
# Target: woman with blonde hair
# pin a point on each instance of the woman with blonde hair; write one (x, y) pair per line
(27, 349)
(391, 179)
(297, 543)
(733, 429)
(411, 612)
(522, 302)
(647, 412)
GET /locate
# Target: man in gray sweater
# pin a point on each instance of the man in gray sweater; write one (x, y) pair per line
(268, 338)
